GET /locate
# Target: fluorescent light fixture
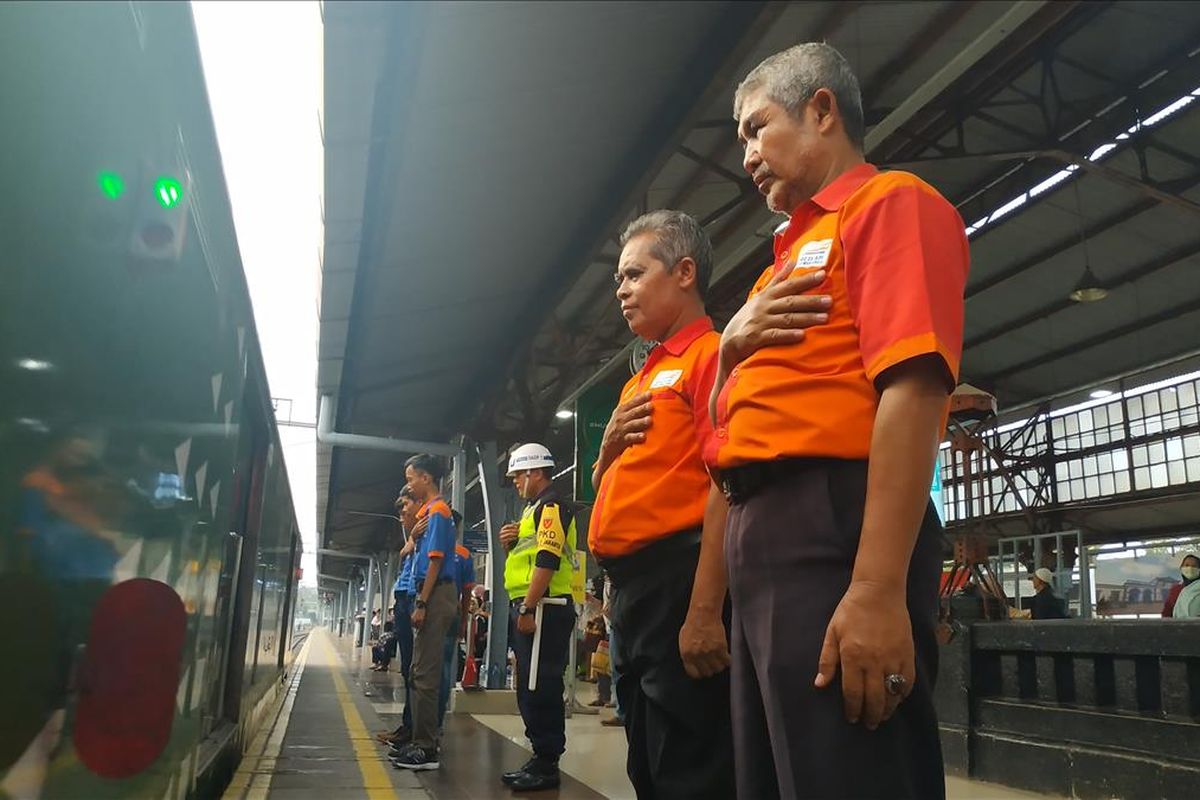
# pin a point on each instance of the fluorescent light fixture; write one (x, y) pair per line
(1098, 154)
(1101, 393)
(564, 413)
(34, 364)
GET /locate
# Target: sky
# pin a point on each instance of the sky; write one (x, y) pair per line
(263, 66)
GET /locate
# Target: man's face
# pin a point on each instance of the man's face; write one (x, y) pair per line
(524, 483)
(419, 481)
(408, 512)
(785, 154)
(651, 297)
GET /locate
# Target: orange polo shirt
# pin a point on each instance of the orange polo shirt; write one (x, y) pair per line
(895, 256)
(659, 487)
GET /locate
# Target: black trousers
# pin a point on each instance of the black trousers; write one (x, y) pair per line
(544, 711)
(790, 551)
(680, 740)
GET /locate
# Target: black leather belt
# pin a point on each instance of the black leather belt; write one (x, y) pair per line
(743, 482)
(650, 557)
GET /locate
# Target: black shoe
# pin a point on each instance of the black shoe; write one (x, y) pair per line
(536, 780)
(509, 777)
(417, 759)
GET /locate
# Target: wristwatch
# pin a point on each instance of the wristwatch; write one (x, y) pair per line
(524, 610)
(418, 603)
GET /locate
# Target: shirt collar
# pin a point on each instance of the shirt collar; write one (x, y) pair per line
(840, 188)
(678, 344)
(424, 512)
(546, 496)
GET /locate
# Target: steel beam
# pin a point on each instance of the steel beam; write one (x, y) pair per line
(956, 68)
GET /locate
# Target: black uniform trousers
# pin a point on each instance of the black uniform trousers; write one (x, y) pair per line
(543, 710)
(790, 549)
(680, 739)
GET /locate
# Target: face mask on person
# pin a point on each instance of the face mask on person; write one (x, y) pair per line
(1190, 573)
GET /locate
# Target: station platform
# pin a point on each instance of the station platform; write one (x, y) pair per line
(320, 743)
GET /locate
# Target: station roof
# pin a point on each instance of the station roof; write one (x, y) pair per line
(481, 160)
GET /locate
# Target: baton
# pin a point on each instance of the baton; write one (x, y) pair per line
(537, 637)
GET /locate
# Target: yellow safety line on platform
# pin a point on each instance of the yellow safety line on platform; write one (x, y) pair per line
(253, 777)
(376, 782)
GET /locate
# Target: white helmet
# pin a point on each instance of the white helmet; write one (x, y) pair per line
(529, 456)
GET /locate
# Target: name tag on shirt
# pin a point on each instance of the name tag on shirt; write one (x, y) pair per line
(814, 254)
(666, 378)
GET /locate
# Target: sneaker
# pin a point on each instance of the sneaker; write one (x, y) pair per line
(398, 738)
(417, 759)
(596, 704)
(613, 722)
(509, 777)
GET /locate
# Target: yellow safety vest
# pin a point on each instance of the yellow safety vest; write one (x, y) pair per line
(542, 529)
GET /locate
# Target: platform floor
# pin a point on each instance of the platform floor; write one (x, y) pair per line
(320, 744)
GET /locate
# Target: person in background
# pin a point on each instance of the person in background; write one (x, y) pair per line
(1189, 569)
(617, 720)
(464, 582)
(540, 565)
(435, 610)
(1045, 604)
(402, 590)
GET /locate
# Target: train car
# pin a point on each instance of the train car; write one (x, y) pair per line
(149, 550)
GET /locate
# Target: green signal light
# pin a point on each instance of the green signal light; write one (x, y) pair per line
(110, 184)
(167, 191)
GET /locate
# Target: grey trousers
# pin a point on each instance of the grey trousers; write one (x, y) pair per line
(429, 647)
(790, 551)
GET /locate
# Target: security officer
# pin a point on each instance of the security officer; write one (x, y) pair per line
(540, 564)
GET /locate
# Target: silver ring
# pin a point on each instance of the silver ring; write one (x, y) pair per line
(895, 683)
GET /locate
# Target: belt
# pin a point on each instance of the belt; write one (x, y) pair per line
(419, 582)
(743, 482)
(650, 557)
(519, 600)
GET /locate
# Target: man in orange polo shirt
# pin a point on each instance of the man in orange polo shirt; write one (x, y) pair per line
(826, 450)
(654, 496)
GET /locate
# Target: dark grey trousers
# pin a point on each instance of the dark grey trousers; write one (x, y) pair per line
(790, 550)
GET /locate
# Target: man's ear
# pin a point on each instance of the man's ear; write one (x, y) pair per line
(686, 273)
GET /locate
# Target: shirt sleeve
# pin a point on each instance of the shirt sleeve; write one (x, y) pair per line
(701, 386)
(468, 572)
(906, 259)
(551, 537)
(440, 534)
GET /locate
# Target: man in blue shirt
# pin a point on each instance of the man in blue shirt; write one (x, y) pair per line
(403, 590)
(435, 610)
(464, 582)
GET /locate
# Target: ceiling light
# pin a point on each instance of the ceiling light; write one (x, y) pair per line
(564, 413)
(1100, 394)
(1088, 290)
(34, 364)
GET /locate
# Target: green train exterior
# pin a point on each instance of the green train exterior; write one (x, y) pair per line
(136, 433)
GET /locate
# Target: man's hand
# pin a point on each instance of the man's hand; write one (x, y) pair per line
(627, 425)
(869, 637)
(526, 624)
(775, 316)
(418, 618)
(703, 646)
(420, 528)
(508, 535)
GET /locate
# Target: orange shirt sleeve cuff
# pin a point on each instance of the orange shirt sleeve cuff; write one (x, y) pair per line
(905, 349)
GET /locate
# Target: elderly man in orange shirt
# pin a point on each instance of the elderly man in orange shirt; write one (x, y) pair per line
(826, 449)
(657, 521)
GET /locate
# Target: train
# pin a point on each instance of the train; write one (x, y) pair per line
(149, 549)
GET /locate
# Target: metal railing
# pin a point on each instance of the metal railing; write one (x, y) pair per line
(1136, 439)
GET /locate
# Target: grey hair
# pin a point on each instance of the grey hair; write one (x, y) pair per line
(676, 236)
(791, 77)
